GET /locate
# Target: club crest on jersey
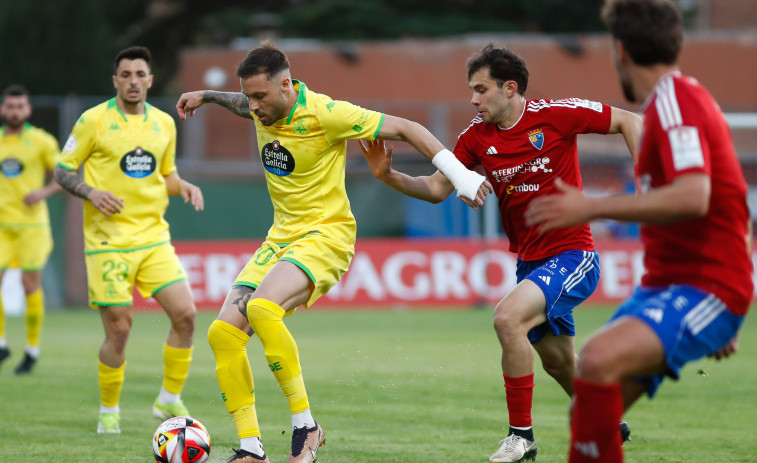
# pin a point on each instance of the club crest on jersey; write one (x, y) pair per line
(536, 137)
(277, 159)
(138, 163)
(11, 167)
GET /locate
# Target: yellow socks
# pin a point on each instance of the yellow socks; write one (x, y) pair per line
(266, 319)
(175, 368)
(233, 368)
(234, 376)
(111, 381)
(35, 313)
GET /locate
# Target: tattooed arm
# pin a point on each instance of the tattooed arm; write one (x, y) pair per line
(105, 201)
(235, 102)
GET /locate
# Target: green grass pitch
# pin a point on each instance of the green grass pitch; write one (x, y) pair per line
(387, 386)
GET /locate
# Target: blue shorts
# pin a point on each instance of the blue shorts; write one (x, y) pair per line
(566, 280)
(691, 323)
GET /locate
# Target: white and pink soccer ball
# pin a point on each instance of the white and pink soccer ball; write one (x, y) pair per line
(181, 440)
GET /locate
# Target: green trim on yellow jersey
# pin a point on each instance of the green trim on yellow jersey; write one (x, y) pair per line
(32, 269)
(301, 266)
(310, 233)
(167, 284)
(128, 155)
(283, 245)
(304, 156)
(245, 283)
(100, 251)
(301, 99)
(26, 126)
(65, 167)
(112, 103)
(108, 304)
(380, 124)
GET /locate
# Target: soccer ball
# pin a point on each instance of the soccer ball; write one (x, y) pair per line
(181, 440)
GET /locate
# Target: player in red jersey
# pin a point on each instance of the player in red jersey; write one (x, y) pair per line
(696, 233)
(523, 146)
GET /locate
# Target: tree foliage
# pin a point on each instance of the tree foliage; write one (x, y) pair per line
(65, 46)
(55, 47)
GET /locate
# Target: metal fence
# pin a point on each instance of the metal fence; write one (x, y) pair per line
(605, 163)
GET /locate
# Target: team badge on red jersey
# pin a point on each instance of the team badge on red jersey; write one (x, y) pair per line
(536, 137)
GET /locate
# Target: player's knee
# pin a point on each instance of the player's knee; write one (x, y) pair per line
(218, 338)
(506, 323)
(183, 321)
(117, 335)
(261, 309)
(31, 288)
(558, 369)
(31, 283)
(118, 327)
(224, 337)
(595, 364)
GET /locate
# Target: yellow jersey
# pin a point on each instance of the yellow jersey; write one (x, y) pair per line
(128, 155)
(304, 157)
(25, 159)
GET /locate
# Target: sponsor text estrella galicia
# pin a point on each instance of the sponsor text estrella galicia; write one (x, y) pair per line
(277, 159)
(138, 163)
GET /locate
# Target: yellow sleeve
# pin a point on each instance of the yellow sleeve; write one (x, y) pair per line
(51, 152)
(168, 166)
(79, 144)
(342, 120)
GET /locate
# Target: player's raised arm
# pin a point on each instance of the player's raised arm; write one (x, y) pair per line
(432, 188)
(236, 102)
(469, 184)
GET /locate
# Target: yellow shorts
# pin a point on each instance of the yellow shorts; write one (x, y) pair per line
(323, 258)
(25, 248)
(112, 274)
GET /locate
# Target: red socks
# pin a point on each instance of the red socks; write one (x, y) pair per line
(520, 394)
(595, 423)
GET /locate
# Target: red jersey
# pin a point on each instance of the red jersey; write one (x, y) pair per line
(685, 132)
(522, 161)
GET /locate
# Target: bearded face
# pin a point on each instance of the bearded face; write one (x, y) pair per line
(623, 75)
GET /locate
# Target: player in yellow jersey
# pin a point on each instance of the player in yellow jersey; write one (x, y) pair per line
(27, 158)
(127, 149)
(302, 136)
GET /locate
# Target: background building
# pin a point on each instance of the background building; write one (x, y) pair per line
(197, 46)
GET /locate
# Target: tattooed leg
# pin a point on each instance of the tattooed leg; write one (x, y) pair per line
(234, 310)
(240, 296)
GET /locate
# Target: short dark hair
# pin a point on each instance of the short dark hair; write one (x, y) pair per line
(135, 52)
(15, 90)
(266, 59)
(503, 65)
(651, 31)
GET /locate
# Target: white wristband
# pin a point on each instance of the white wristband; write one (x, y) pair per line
(465, 181)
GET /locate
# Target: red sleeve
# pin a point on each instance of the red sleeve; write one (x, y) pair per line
(582, 116)
(679, 132)
(463, 151)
